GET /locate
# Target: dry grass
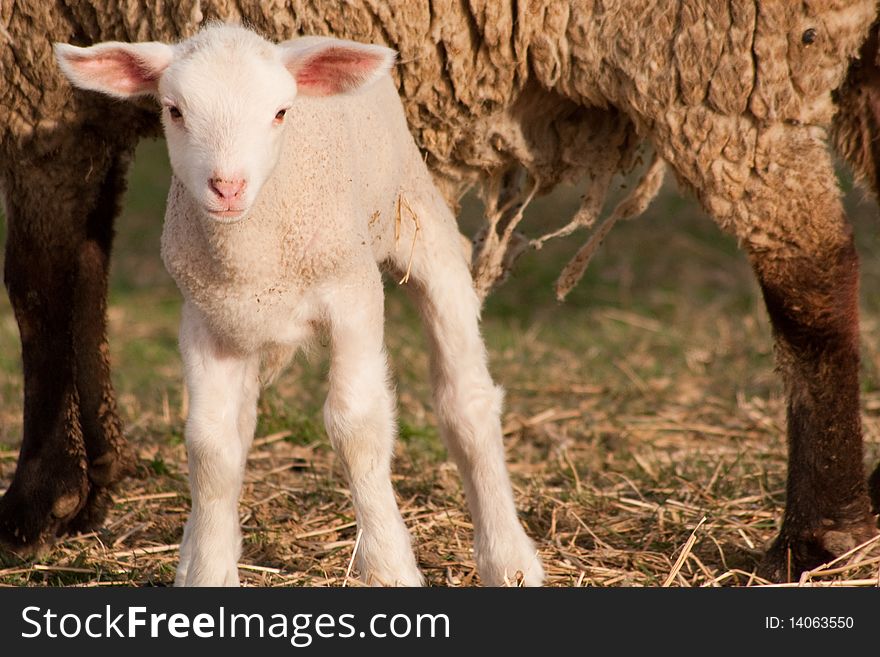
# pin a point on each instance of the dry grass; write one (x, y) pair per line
(644, 424)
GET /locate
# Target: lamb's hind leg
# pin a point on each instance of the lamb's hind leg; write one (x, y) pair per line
(222, 388)
(359, 416)
(467, 402)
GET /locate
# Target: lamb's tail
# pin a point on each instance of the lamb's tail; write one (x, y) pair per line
(855, 131)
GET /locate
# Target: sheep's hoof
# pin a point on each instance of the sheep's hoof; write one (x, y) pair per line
(793, 553)
(105, 472)
(874, 490)
(28, 531)
(93, 513)
(111, 468)
(29, 527)
(41, 506)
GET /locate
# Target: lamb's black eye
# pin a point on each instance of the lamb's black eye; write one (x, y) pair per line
(280, 115)
(174, 113)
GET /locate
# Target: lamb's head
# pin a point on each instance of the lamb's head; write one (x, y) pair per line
(224, 95)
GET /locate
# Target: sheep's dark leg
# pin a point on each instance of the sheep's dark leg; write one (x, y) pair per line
(60, 216)
(800, 244)
(856, 135)
(874, 490)
(813, 306)
(783, 204)
(108, 454)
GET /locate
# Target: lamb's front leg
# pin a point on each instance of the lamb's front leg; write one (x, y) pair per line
(223, 388)
(359, 416)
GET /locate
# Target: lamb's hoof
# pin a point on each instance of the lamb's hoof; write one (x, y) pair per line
(228, 580)
(408, 579)
(382, 572)
(386, 558)
(513, 563)
(793, 553)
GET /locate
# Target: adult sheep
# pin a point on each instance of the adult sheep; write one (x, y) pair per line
(735, 96)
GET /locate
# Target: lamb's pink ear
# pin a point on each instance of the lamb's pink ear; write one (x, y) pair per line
(117, 69)
(324, 67)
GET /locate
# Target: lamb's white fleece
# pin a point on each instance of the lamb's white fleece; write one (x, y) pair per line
(350, 193)
(326, 214)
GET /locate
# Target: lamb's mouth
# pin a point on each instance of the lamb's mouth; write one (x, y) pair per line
(225, 215)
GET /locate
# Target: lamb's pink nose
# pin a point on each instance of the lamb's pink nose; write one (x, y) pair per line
(226, 189)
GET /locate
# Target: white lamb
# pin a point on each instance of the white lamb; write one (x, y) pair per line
(295, 180)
